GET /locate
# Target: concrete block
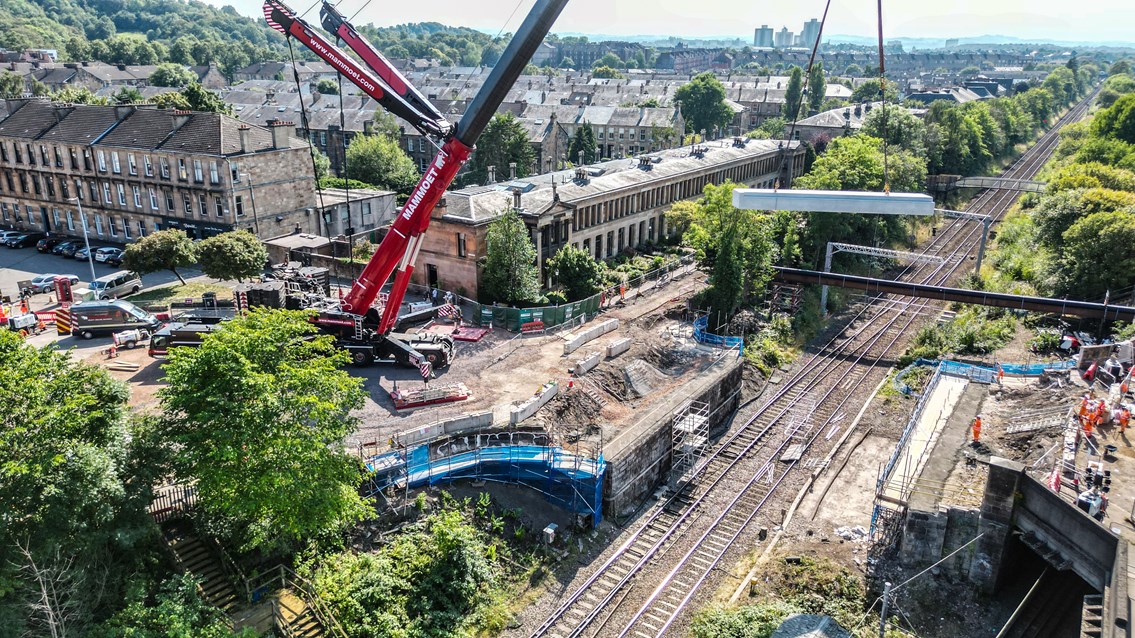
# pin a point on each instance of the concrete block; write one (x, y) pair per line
(521, 412)
(456, 425)
(575, 341)
(618, 347)
(588, 363)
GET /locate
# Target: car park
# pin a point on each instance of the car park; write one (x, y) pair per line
(48, 243)
(67, 248)
(109, 255)
(46, 283)
(24, 240)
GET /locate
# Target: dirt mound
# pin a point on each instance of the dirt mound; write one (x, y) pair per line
(571, 414)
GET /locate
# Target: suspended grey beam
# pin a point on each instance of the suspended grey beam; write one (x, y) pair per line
(855, 202)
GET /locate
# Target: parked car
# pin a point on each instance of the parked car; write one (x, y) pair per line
(48, 243)
(81, 252)
(46, 283)
(116, 284)
(109, 255)
(5, 235)
(67, 248)
(24, 240)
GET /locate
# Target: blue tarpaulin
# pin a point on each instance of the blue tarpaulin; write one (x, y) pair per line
(567, 480)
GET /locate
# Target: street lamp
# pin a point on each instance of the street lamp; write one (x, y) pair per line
(83, 220)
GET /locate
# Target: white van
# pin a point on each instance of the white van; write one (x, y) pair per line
(112, 286)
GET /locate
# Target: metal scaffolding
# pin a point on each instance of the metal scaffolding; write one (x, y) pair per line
(689, 439)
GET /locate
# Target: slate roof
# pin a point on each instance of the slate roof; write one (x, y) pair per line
(480, 204)
(30, 121)
(142, 128)
(82, 125)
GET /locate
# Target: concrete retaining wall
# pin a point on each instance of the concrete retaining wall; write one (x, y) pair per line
(618, 347)
(520, 412)
(928, 536)
(458, 425)
(638, 460)
(574, 341)
(1013, 503)
(588, 363)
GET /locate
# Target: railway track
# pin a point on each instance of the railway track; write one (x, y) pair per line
(633, 593)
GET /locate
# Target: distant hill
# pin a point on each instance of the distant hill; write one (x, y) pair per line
(52, 24)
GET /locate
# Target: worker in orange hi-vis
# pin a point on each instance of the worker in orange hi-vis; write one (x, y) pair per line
(1000, 375)
(1124, 419)
(1089, 422)
(977, 429)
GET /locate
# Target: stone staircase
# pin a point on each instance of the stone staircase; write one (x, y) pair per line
(198, 558)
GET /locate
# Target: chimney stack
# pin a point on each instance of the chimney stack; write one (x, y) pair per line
(180, 118)
(516, 199)
(492, 174)
(511, 171)
(281, 131)
(245, 133)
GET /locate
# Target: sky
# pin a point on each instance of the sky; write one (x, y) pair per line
(1094, 20)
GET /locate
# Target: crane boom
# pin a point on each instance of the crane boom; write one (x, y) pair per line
(281, 18)
(399, 249)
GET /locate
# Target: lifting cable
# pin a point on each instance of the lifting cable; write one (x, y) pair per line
(883, 92)
(804, 86)
(307, 131)
(346, 171)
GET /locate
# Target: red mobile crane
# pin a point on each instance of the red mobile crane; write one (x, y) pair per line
(361, 327)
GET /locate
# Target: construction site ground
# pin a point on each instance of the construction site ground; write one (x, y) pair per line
(505, 368)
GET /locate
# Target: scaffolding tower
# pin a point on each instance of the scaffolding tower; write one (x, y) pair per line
(689, 439)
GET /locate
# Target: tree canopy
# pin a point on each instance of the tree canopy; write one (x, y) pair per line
(378, 160)
(577, 271)
(793, 93)
(703, 103)
(233, 255)
(583, 141)
(172, 74)
(257, 415)
(509, 275)
(76, 482)
(734, 245)
(817, 87)
(505, 140)
(164, 250)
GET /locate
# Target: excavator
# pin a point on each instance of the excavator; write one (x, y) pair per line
(363, 321)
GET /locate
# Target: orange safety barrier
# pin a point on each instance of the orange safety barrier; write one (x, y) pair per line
(532, 326)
